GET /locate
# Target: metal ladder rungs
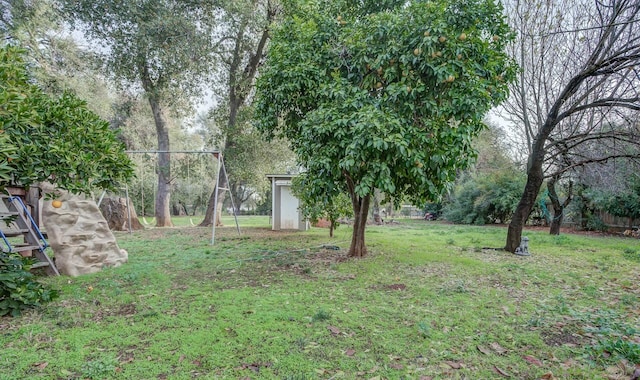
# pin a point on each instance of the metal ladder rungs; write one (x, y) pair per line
(24, 225)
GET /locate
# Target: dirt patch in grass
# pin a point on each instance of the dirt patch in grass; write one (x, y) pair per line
(327, 257)
(126, 310)
(556, 338)
(395, 287)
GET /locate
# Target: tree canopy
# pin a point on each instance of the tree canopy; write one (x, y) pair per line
(53, 139)
(385, 95)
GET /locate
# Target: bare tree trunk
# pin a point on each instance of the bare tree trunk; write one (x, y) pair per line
(163, 195)
(195, 206)
(360, 205)
(208, 216)
(377, 219)
(358, 247)
(527, 201)
(558, 208)
(116, 213)
(597, 84)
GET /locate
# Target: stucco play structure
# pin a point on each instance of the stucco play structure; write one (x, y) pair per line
(79, 235)
(75, 229)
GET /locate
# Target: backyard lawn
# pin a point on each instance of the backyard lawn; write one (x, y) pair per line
(431, 301)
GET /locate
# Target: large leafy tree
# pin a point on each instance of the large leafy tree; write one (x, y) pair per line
(162, 47)
(385, 95)
(56, 139)
(243, 36)
(56, 59)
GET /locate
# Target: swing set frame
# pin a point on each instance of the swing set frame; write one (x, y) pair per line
(220, 168)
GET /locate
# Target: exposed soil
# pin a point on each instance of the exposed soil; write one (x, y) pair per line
(559, 338)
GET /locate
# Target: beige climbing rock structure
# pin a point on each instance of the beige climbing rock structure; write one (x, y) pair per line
(79, 235)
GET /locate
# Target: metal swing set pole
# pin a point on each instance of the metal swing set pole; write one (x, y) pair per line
(216, 154)
(215, 204)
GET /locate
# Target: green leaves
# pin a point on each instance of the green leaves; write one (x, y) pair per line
(163, 46)
(385, 96)
(53, 139)
(18, 288)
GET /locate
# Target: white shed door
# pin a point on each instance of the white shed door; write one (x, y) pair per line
(288, 209)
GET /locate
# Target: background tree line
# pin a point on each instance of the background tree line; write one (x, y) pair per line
(174, 75)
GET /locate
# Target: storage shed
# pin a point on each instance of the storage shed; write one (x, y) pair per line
(285, 214)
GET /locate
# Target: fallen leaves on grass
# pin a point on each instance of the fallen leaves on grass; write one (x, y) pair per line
(255, 367)
(334, 330)
(350, 352)
(484, 350)
(623, 371)
(547, 376)
(532, 360)
(498, 348)
(127, 360)
(41, 366)
(454, 365)
(500, 371)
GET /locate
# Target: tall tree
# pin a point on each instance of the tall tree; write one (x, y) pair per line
(383, 95)
(162, 47)
(578, 77)
(243, 43)
(57, 60)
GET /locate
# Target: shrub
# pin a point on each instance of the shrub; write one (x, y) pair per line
(594, 223)
(18, 288)
(486, 198)
(56, 139)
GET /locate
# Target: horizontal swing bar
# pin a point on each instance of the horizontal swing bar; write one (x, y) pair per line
(172, 151)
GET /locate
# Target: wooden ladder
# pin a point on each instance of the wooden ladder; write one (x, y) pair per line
(15, 221)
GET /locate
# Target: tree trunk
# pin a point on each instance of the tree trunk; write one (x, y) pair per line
(377, 219)
(361, 212)
(527, 201)
(535, 174)
(240, 85)
(558, 208)
(332, 227)
(163, 195)
(116, 214)
(195, 206)
(208, 216)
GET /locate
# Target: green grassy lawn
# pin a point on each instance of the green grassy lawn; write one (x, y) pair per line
(429, 302)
